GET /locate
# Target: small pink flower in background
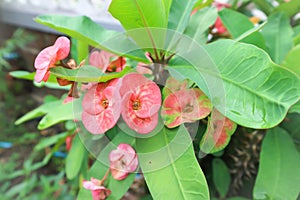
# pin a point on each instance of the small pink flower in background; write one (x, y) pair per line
(123, 161)
(47, 58)
(141, 101)
(183, 105)
(220, 28)
(106, 61)
(101, 107)
(99, 192)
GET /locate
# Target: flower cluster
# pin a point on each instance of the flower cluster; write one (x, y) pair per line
(123, 161)
(134, 97)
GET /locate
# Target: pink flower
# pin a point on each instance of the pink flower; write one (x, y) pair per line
(101, 107)
(47, 58)
(219, 27)
(106, 61)
(99, 192)
(141, 100)
(123, 160)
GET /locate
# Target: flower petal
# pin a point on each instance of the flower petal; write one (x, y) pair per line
(63, 47)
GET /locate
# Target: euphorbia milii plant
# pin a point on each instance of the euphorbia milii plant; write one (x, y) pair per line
(145, 91)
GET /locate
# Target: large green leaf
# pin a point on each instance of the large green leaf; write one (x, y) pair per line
(179, 14)
(75, 158)
(84, 29)
(87, 73)
(279, 173)
(241, 81)
(135, 14)
(292, 60)
(55, 112)
(221, 176)
(200, 22)
(278, 35)
(237, 23)
(170, 167)
(291, 8)
(145, 21)
(101, 165)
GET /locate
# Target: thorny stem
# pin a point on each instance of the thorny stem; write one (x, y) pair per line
(73, 92)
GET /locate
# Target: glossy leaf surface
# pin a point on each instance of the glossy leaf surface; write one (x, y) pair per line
(168, 157)
(84, 29)
(278, 174)
(278, 35)
(242, 82)
(237, 24)
(87, 73)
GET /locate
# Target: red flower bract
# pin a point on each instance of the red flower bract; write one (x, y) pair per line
(123, 160)
(141, 100)
(99, 192)
(101, 107)
(49, 56)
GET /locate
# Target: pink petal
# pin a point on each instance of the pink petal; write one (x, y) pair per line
(132, 81)
(100, 59)
(118, 174)
(140, 125)
(91, 102)
(100, 123)
(123, 160)
(62, 44)
(39, 75)
(91, 186)
(150, 99)
(141, 68)
(45, 59)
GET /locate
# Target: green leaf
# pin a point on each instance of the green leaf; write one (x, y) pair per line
(51, 83)
(200, 22)
(296, 35)
(241, 81)
(169, 164)
(135, 14)
(291, 125)
(278, 35)
(145, 21)
(237, 24)
(75, 158)
(295, 108)
(87, 73)
(279, 173)
(221, 176)
(79, 50)
(101, 165)
(264, 5)
(84, 29)
(179, 14)
(55, 112)
(48, 141)
(290, 8)
(292, 60)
